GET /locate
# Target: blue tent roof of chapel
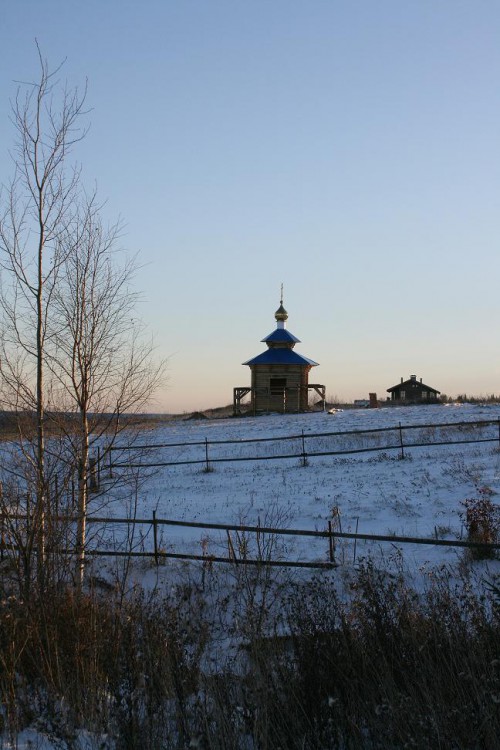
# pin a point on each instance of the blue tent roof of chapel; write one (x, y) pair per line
(281, 357)
(281, 335)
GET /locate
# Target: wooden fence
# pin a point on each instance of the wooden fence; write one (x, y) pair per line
(209, 452)
(233, 541)
(461, 432)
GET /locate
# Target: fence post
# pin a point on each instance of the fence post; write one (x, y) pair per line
(304, 454)
(331, 542)
(155, 537)
(207, 465)
(110, 464)
(93, 474)
(2, 540)
(258, 540)
(355, 541)
(401, 441)
(98, 465)
(232, 555)
(28, 514)
(56, 493)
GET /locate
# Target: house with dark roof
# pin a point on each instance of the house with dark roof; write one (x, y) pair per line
(279, 375)
(413, 391)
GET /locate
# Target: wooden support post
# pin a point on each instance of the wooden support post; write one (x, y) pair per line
(401, 441)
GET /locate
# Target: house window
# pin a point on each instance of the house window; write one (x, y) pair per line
(425, 395)
(402, 395)
(277, 386)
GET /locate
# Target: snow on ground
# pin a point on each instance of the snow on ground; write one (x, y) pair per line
(372, 492)
(375, 491)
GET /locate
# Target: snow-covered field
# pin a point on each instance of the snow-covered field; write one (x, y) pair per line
(373, 492)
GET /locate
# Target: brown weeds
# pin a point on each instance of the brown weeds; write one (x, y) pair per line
(385, 667)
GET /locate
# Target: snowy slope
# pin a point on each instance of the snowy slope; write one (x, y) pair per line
(374, 492)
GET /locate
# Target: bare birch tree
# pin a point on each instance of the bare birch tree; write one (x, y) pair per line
(37, 209)
(70, 343)
(102, 362)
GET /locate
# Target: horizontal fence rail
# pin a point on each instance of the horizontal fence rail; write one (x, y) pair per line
(305, 445)
(330, 534)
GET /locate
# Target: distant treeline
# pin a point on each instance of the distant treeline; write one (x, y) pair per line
(463, 398)
(14, 423)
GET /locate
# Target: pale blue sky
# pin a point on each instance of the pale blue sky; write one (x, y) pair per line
(349, 149)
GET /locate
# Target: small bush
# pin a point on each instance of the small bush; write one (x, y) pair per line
(482, 521)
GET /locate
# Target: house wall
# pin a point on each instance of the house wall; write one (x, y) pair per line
(411, 392)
